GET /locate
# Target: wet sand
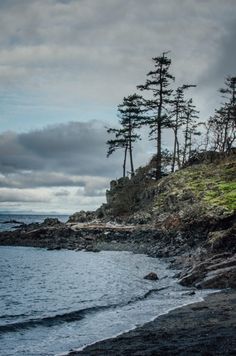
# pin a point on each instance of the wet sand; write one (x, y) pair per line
(205, 328)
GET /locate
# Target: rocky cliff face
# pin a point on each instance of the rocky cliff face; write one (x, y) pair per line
(196, 192)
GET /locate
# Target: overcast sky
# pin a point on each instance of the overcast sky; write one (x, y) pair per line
(65, 65)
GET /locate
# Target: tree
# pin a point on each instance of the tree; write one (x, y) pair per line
(228, 113)
(130, 115)
(190, 129)
(157, 83)
(178, 105)
(118, 142)
(222, 126)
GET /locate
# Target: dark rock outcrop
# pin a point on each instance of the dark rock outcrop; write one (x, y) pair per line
(152, 276)
(216, 272)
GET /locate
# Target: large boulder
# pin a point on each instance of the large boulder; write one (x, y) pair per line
(152, 276)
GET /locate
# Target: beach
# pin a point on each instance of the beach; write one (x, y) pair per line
(205, 328)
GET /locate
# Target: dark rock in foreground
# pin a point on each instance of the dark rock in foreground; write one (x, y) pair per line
(152, 276)
(216, 272)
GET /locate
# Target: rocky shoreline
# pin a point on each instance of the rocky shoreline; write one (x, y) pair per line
(199, 265)
(195, 329)
(188, 218)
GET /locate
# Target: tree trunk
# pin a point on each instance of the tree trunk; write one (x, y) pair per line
(178, 153)
(131, 159)
(124, 164)
(186, 138)
(174, 153)
(159, 125)
(131, 150)
(158, 162)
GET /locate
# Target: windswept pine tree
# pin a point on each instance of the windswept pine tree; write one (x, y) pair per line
(130, 115)
(118, 142)
(190, 130)
(177, 113)
(157, 83)
(222, 126)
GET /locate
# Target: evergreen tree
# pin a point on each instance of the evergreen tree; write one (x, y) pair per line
(178, 105)
(228, 113)
(222, 126)
(118, 142)
(190, 129)
(158, 82)
(130, 115)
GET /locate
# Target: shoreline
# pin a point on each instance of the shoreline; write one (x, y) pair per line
(82, 348)
(194, 329)
(205, 322)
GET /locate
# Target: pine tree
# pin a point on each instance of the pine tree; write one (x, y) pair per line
(190, 129)
(130, 115)
(178, 105)
(118, 142)
(228, 113)
(222, 126)
(158, 82)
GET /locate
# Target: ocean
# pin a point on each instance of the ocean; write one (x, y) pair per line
(55, 301)
(8, 221)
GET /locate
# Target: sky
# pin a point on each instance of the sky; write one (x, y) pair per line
(65, 65)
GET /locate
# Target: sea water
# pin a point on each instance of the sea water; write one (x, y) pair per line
(55, 301)
(9, 222)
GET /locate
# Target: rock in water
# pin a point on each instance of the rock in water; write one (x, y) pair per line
(152, 276)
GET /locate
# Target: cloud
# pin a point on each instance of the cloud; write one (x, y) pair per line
(64, 165)
(74, 148)
(62, 193)
(24, 196)
(93, 53)
(71, 62)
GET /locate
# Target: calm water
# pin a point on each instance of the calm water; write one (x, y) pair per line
(27, 219)
(54, 301)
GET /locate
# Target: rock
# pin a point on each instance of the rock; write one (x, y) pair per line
(51, 221)
(223, 240)
(215, 272)
(140, 218)
(91, 248)
(12, 222)
(192, 292)
(82, 217)
(152, 276)
(222, 278)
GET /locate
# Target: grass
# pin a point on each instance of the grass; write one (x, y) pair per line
(212, 184)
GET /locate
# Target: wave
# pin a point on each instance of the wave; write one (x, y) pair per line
(70, 316)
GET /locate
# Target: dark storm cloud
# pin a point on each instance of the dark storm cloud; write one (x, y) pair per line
(98, 51)
(74, 148)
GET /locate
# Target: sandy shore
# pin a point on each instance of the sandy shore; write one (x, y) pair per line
(205, 328)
